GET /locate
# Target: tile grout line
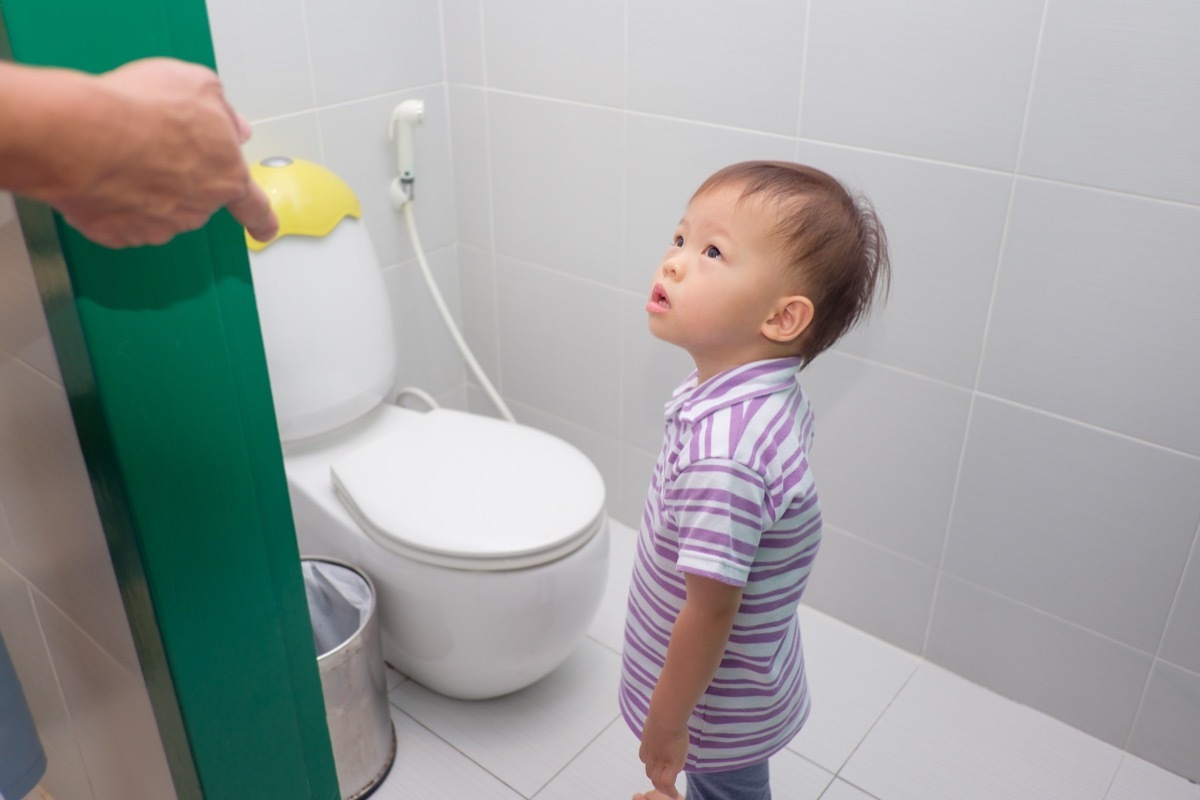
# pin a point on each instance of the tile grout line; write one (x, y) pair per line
(886, 708)
(1014, 176)
(575, 757)
(451, 744)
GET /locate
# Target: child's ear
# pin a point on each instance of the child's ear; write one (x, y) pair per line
(792, 315)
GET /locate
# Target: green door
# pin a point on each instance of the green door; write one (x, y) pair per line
(162, 359)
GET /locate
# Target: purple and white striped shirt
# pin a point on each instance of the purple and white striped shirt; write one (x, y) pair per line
(732, 499)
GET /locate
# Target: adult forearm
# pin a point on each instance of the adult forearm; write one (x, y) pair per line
(43, 112)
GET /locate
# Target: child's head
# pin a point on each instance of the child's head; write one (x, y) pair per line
(833, 245)
(771, 259)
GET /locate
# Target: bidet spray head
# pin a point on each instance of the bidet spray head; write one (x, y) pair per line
(405, 117)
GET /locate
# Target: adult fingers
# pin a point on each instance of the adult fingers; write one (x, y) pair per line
(254, 211)
(243, 126)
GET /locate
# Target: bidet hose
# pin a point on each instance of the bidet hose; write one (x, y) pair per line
(455, 334)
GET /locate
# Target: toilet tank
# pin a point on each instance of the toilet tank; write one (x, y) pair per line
(322, 303)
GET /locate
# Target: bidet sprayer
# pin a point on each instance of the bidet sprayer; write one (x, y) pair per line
(405, 117)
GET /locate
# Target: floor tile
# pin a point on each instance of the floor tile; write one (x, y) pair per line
(1140, 780)
(796, 778)
(607, 769)
(840, 790)
(852, 679)
(427, 767)
(944, 738)
(527, 737)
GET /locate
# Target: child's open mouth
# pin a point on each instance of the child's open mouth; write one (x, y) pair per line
(658, 299)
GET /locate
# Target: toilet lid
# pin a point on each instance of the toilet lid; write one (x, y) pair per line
(471, 492)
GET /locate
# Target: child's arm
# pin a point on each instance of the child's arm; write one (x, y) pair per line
(693, 655)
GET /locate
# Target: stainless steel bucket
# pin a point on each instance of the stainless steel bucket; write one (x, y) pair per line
(342, 604)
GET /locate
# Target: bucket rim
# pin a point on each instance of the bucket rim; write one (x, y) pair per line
(337, 562)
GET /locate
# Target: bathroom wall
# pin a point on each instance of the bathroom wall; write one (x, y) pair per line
(1008, 454)
(60, 610)
(319, 81)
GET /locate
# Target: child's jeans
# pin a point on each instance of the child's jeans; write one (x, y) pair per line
(747, 783)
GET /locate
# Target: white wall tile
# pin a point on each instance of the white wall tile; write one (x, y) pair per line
(1095, 312)
(555, 347)
(462, 22)
(110, 712)
(472, 170)
(426, 356)
(478, 401)
(294, 136)
(361, 48)
(556, 185)
(885, 452)
(944, 226)
(66, 776)
(1038, 660)
(1085, 525)
(571, 51)
(873, 589)
(356, 145)
(1181, 645)
(261, 50)
(480, 328)
(1116, 102)
(637, 466)
(47, 498)
(729, 63)
(651, 370)
(666, 162)
(947, 739)
(1168, 726)
(940, 79)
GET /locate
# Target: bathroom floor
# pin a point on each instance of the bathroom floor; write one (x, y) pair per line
(885, 724)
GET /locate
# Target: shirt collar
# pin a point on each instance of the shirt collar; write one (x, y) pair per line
(691, 402)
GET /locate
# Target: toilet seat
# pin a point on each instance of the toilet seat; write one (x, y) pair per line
(471, 493)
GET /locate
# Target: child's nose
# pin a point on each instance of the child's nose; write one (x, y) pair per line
(673, 266)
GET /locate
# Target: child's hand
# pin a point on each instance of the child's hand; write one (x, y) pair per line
(663, 752)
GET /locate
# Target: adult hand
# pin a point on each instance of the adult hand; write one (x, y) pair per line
(154, 151)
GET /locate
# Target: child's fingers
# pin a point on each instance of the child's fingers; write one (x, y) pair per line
(663, 778)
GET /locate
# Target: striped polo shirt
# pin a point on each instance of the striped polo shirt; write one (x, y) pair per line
(731, 499)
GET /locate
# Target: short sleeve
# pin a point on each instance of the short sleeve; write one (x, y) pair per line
(717, 507)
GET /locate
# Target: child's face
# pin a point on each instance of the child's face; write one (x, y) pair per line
(719, 282)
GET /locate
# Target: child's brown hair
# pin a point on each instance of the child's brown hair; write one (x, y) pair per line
(833, 241)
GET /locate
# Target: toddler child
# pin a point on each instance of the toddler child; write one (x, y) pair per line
(770, 265)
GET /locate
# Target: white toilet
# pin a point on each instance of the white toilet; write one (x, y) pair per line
(487, 541)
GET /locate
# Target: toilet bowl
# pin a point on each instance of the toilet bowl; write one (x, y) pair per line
(487, 540)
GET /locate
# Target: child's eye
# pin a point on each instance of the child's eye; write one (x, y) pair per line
(712, 252)
(678, 241)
